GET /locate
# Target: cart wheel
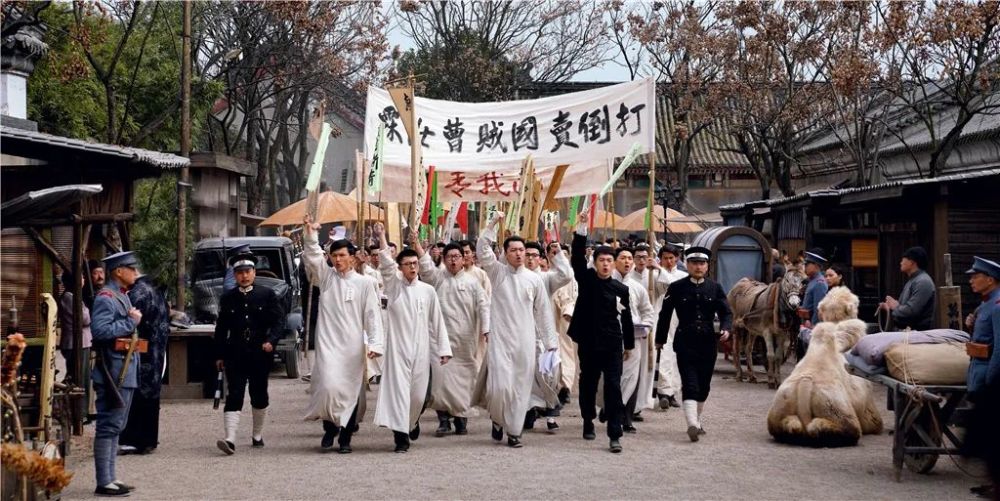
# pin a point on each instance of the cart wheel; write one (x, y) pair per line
(922, 463)
(294, 359)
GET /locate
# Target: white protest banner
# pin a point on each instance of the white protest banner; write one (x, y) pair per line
(578, 129)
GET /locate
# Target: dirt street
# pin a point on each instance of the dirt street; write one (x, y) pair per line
(736, 460)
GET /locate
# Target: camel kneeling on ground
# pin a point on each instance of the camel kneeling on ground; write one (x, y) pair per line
(820, 404)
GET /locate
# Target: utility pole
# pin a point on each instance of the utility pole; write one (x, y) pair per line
(184, 181)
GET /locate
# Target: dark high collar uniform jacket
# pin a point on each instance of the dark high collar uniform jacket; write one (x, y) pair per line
(246, 321)
(696, 306)
(602, 311)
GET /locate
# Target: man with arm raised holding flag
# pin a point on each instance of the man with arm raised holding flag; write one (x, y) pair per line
(520, 313)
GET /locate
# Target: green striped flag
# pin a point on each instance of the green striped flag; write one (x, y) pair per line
(574, 206)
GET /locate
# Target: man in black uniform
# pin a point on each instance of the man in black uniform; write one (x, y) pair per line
(602, 315)
(697, 300)
(248, 328)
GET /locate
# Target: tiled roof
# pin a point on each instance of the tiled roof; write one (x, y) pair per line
(42, 140)
(875, 187)
(711, 147)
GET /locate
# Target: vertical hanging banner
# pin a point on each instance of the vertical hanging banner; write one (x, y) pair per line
(375, 174)
(316, 171)
(478, 148)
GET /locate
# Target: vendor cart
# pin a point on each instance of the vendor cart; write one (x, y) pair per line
(926, 419)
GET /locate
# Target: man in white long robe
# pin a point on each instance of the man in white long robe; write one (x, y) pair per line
(348, 314)
(370, 269)
(666, 273)
(545, 391)
(519, 315)
(563, 304)
(415, 338)
(636, 371)
(466, 310)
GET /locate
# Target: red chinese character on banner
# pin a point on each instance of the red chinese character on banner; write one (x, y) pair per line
(457, 184)
(491, 182)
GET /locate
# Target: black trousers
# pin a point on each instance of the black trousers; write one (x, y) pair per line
(346, 431)
(594, 363)
(696, 375)
(142, 430)
(250, 369)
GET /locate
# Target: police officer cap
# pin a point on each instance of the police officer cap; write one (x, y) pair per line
(697, 254)
(985, 266)
(238, 249)
(815, 256)
(242, 261)
(120, 259)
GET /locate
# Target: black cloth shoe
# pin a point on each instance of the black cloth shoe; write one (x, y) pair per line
(693, 433)
(564, 396)
(615, 446)
(673, 401)
(460, 426)
(345, 449)
(123, 485)
(415, 432)
(108, 492)
(444, 427)
(552, 426)
(226, 446)
(497, 432)
(529, 420)
(588, 430)
(664, 402)
(701, 430)
(514, 442)
(601, 416)
(402, 441)
(258, 444)
(327, 443)
(628, 428)
(637, 417)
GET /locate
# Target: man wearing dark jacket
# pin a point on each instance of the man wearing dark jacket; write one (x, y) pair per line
(915, 307)
(246, 333)
(601, 315)
(697, 301)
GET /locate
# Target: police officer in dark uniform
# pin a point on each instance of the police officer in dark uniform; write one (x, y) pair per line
(248, 329)
(113, 324)
(697, 301)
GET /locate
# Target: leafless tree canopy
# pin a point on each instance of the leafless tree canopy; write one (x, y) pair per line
(552, 39)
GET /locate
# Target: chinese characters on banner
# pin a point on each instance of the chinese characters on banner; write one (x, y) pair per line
(478, 148)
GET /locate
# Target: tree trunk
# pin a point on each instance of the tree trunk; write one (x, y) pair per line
(939, 157)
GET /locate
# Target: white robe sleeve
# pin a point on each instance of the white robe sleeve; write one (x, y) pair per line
(438, 331)
(392, 281)
(428, 272)
(483, 308)
(487, 259)
(647, 316)
(560, 274)
(315, 261)
(545, 330)
(373, 320)
(661, 282)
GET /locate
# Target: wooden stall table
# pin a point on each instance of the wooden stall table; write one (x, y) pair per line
(177, 361)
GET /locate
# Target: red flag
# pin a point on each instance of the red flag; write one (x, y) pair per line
(427, 199)
(463, 218)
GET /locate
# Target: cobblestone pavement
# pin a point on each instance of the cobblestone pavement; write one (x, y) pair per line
(736, 460)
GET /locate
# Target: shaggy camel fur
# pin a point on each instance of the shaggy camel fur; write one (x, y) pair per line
(820, 404)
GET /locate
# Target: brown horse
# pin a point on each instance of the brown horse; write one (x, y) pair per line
(766, 311)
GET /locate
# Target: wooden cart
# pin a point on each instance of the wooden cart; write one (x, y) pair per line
(926, 419)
